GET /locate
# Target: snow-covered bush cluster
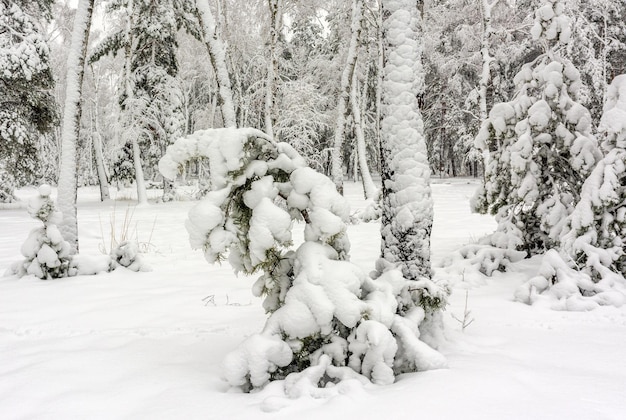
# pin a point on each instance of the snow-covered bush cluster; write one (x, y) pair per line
(47, 254)
(324, 312)
(549, 185)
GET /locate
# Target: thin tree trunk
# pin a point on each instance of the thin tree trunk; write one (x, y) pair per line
(369, 189)
(103, 180)
(276, 17)
(344, 95)
(102, 176)
(217, 54)
(67, 190)
(142, 195)
(485, 76)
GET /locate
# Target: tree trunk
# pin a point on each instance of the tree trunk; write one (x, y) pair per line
(276, 17)
(344, 95)
(485, 76)
(142, 195)
(103, 180)
(67, 189)
(217, 54)
(369, 189)
(407, 204)
(102, 176)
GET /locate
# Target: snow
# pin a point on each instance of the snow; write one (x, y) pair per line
(152, 344)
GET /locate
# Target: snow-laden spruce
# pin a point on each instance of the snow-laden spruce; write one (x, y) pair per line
(324, 312)
(590, 269)
(46, 253)
(539, 146)
(27, 106)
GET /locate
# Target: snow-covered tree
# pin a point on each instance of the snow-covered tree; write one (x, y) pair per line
(540, 145)
(27, 107)
(407, 203)
(47, 254)
(590, 269)
(70, 129)
(151, 99)
(598, 224)
(598, 48)
(217, 54)
(327, 319)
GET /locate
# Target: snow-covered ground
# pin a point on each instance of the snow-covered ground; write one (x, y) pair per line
(149, 345)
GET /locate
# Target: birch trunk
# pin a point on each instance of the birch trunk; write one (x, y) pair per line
(485, 76)
(217, 54)
(276, 16)
(369, 189)
(344, 95)
(67, 189)
(103, 180)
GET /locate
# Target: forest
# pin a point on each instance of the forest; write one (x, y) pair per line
(273, 130)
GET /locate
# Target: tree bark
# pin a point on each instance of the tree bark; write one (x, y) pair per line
(70, 131)
(369, 189)
(276, 17)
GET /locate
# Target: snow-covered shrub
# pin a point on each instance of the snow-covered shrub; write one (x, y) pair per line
(127, 254)
(47, 254)
(325, 313)
(539, 147)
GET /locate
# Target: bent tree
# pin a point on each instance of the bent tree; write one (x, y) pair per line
(327, 320)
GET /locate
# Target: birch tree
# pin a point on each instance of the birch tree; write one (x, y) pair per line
(217, 54)
(276, 23)
(70, 130)
(344, 94)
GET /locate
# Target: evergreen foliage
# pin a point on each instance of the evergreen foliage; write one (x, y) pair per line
(27, 106)
(540, 146)
(47, 254)
(324, 312)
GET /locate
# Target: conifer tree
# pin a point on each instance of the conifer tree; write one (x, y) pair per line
(540, 146)
(27, 107)
(597, 235)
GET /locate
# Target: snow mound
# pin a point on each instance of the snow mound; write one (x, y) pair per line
(471, 263)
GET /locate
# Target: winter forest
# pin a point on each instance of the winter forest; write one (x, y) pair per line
(236, 209)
